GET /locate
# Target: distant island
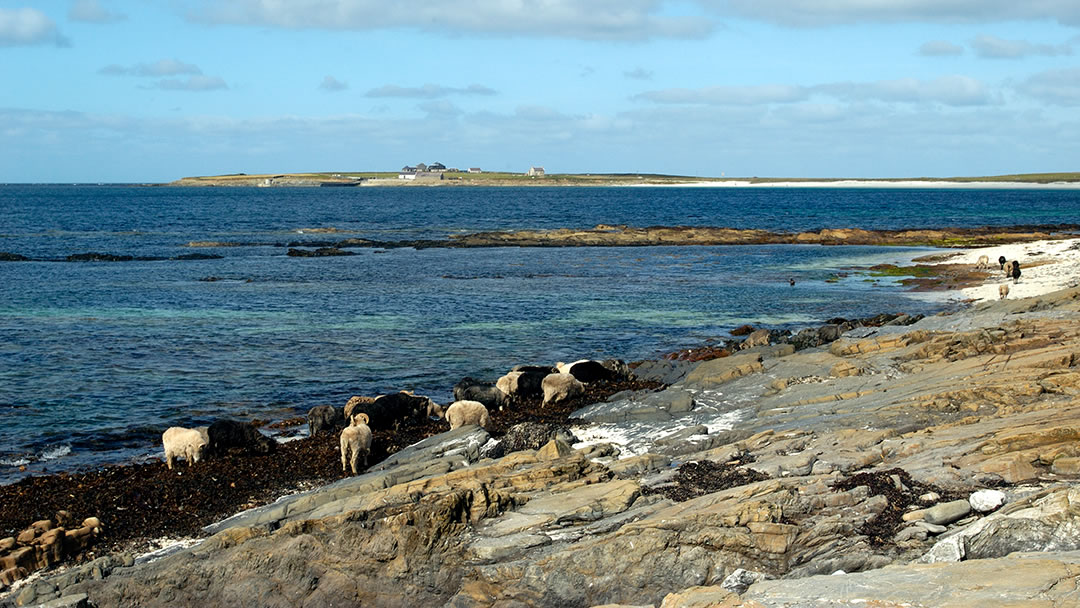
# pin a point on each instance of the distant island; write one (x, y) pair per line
(536, 176)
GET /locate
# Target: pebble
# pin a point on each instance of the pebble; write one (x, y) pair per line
(947, 512)
(985, 501)
(931, 528)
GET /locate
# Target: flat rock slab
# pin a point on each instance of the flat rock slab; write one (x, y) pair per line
(1028, 579)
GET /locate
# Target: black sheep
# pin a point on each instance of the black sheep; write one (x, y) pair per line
(390, 411)
(1001, 261)
(325, 418)
(1016, 271)
(229, 435)
(470, 389)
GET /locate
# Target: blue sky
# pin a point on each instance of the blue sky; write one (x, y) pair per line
(152, 90)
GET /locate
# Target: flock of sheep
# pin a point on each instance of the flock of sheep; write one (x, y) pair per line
(1012, 269)
(473, 402)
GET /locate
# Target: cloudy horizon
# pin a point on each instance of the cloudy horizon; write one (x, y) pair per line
(127, 91)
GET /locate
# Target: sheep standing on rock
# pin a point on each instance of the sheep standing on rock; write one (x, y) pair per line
(356, 442)
(560, 387)
(178, 441)
(983, 263)
(467, 412)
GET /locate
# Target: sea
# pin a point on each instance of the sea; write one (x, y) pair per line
(97, 358)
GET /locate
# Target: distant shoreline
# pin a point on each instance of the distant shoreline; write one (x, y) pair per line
(497, 179)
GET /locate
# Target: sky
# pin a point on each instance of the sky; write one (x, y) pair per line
(154, 90)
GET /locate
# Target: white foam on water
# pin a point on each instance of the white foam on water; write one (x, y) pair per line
(54, 453)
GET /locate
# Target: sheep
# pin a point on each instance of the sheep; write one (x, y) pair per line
(467, 412)
(390, 411)
(1015, 274)
(355, 441)
(983, 263)
(523, 383)
(1007, 267)
(228, 435)
(1003, 291)
(354, 402)
(560, 387)
(489, 394)
(586, 370)
(324, 418)
(178, 441)
(1001, 261)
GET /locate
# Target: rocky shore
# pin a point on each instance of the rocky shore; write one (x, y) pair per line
(916, 462)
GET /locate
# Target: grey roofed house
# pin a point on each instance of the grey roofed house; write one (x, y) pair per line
(437, 167)
(408, 169)
(421, 167)
(535, 172)
(475, 170)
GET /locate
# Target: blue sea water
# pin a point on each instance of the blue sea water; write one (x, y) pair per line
(98, 358)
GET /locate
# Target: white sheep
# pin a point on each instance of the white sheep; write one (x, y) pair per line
(1003, 291)
(188, 443)
(356, 441)
(467, 412)
(559, 387)
(509, 383)
(983, 263)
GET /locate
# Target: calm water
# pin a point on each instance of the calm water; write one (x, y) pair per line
(96, 359)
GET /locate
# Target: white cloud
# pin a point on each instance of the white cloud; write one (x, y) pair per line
(91, 11)
(427, 91)
(332, 85)
(197, 83)
(594, 20)
(440, 108)
(728, 95)
(992, 47)
(940, 48)
(1060, 87)
(161, 67)
(27, 26)
(947, 90)
(829, 12)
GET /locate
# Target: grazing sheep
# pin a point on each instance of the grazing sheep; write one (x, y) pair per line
(983, 263)
(469, 389)
(523, 383)
(178, 441)
(356, 442)
(586, 370)
(229, 435)
(1001, 261)
(467, 412)
(1015, 274)
(1003, 291)
(1007, 267)
(390, 411)
(324, 418)
(354, 402)
(560, 387)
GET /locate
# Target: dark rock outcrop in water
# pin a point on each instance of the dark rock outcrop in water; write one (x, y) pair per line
(12, 257)
(321, 252)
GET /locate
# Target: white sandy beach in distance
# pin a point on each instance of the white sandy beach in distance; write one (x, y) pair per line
(871, 183)
(1045, 266)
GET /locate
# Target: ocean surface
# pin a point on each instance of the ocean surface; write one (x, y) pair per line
(98, 358)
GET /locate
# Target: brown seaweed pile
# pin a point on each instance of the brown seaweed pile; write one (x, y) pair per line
(897, 486)
(695, 479)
